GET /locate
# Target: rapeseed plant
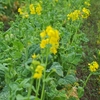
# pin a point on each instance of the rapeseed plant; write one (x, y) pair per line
(32, 9)
(50, 37)
(77, 14)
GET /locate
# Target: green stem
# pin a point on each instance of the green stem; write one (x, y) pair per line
(87, 80)
(30, 89)
(37, 89)
(42, 94)
(50, 73)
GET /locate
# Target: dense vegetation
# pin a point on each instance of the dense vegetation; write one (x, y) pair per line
(49, 50)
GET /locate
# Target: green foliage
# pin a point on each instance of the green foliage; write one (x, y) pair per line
(30, 71)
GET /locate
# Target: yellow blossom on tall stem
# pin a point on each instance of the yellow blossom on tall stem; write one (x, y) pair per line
(93, 66)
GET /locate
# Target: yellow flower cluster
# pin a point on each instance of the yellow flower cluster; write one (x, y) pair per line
(34, 10)
(38, 72)
(86, 12)
(20, 11)
(24, 14)
(75, 15)
(93, 66)
(50, 36)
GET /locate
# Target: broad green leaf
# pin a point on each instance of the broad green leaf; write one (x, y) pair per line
(57, 68)
(4, 94)
(24, 82)
(3, 68)
(18, 45)
(69, 79)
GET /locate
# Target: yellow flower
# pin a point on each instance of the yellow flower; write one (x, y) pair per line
(34, 56)
(25, 15)
(50, 33)
(57, 34)
(37, 75)
(53, 50)
(48, 29)
(31, 6)
(51, 37)
(43, 34)
(93, 66)
(39, 68)
(74, 15)
(53, 40)
(20, 10)
(38, 72)
(32, 9)
(86, 12)
(43, 43)
(38, 9)
(87, 3)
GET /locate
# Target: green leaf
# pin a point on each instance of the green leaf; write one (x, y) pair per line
(18, 45)
(3, 68)
(69, 79)
(34, 49)
(4, 94)
(80, 91)
(57, 68)
(24, 82)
